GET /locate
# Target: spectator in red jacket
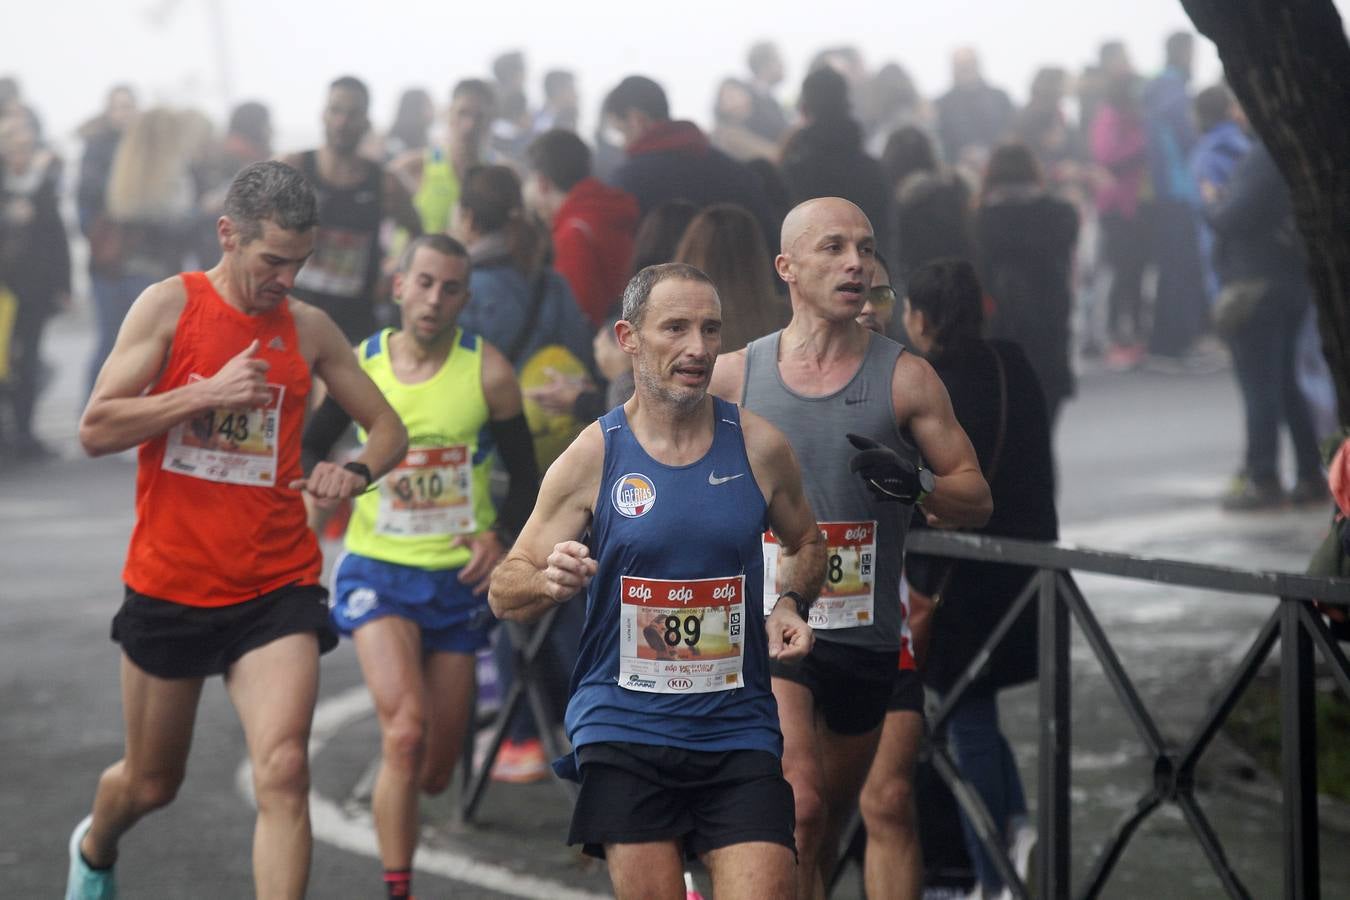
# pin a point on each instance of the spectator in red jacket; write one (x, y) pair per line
(592, 223)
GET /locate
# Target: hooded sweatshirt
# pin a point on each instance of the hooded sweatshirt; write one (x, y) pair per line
(593, 244)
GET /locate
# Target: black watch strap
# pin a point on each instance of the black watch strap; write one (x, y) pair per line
(803, 605)
(361, 469)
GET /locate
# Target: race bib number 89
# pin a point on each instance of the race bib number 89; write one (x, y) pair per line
(681, 637)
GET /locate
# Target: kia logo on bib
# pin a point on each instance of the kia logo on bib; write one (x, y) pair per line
(679, 684)
(634, 495)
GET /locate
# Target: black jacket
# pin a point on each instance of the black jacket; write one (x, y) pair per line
(826, 159)
(34, 253)
(975, 595)
(1025, 245)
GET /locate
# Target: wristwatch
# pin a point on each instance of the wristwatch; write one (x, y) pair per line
(361, 469)
(803, 605)
(927, 484)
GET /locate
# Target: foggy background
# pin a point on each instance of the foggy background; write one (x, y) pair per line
(285, 52)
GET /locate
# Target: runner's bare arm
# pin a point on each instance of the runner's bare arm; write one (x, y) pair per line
(802, 555)
(407, 168)
(398, 204)
(728, 377)
(961, 496)
(121, 415)
(500, 387)
(547, 566)
(336, 366)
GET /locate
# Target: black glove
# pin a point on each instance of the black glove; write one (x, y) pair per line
(890, 476)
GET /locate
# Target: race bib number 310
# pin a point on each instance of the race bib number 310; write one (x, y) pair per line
(228, 445)
(846, 598)
(681, 637)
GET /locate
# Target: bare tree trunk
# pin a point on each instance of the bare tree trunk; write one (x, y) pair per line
(1288, 62)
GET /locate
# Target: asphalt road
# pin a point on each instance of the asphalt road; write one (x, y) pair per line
(1142, 459)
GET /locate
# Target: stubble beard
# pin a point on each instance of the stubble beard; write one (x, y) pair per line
(680, 402)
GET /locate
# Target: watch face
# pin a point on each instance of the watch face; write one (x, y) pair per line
(926, 481)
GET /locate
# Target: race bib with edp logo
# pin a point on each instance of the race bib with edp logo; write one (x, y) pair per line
(430, 492)
(681, 637)
(846, 598)
(228, 445)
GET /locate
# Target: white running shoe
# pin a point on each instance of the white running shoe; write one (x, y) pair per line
(83, 882)
(1022, 852)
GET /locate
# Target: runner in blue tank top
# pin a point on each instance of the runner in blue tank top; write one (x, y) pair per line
(672, 716)
(821, 378)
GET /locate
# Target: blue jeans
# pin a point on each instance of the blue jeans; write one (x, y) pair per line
(113, 296)
(1265, 351)
(985, 761)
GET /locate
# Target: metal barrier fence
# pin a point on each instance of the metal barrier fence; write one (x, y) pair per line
(1060, 600)
(1300, 630)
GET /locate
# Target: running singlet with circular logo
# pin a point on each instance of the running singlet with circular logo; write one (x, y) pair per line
(440, 489)
(671, 654)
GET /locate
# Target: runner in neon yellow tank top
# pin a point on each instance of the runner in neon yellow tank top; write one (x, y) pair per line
(410, 590)
(442, 486)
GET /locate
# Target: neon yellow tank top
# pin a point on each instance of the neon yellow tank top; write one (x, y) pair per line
(438, 193)
(440, 490)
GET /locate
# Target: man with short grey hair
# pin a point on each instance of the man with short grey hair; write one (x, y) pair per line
(672, 719)
(210, 376)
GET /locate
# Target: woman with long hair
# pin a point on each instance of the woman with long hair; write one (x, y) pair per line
(524, 308)
(1025, 240)
(519, 303)
(659, 233)
(955, 605)
(725, 242)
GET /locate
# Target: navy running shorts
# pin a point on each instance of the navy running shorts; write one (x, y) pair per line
(451, 618)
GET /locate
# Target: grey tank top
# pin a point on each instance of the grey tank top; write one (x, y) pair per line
(816, 429)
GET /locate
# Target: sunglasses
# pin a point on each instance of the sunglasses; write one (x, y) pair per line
(881, 296)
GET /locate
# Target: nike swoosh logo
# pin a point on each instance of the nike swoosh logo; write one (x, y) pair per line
(714, 480)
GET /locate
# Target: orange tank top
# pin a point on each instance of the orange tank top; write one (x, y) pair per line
(216, 523)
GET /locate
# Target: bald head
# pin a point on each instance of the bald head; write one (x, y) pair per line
(828, 258)
(818, 216)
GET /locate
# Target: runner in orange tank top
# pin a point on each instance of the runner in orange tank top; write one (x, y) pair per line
(210, 375)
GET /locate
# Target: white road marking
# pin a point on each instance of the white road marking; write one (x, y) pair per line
(356, 834)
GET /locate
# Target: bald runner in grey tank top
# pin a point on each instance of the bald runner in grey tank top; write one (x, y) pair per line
(815, 427)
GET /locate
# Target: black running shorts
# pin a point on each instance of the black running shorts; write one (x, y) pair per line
(851, 686)
(907, 693)
(639, 793)
(173, 640)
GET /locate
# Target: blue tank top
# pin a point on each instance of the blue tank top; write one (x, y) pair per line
(677, 548)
